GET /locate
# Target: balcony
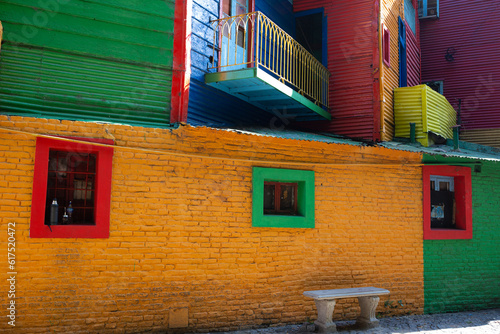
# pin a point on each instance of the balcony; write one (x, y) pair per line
(256, 61)
(431, 112)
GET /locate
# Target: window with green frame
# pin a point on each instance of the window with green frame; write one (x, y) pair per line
(282, 198)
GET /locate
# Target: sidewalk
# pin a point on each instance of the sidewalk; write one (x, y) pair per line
(480, 322)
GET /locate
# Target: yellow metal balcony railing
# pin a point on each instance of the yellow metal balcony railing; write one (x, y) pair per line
(253, 40)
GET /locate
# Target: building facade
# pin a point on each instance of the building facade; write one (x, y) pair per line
(458, 59)
(189, 166)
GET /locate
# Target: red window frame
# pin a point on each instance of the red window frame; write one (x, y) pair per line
(277, 193)
(104, 160)
(386, 45)
(463, 199)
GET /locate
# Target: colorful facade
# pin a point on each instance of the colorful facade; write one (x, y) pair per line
(459, 58)
(182, 250)
(171, 228)
(353, 58)
(463, 274)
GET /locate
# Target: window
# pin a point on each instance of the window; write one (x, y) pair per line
(71, 189)
(386, 46)
(282, 198)
(428, 8)
(443, 204)
(447, 202)
(410, 16)
(311, 33)
(436, 86)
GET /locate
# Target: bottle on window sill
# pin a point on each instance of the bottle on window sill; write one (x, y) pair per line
(54, 208)
(70, 213)
(65, 217)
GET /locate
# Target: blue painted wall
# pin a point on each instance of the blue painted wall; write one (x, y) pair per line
(280, 12)
(207, 105)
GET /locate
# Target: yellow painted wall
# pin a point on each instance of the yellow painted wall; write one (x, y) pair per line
(181, 245)
(391, 10)
(489, 137)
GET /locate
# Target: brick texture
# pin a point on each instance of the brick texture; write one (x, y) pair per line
(181, 234)
(464, 275)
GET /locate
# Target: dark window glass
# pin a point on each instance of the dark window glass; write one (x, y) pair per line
(269, 197)
(71, 183)
(241, 37)
(287, 198)
(442, 206)
(310, 34)
(280, 198)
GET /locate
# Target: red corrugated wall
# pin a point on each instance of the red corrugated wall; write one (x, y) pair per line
(412, 57)
(472, 28)
(353, 62)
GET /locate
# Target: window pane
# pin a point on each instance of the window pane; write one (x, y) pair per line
(444, 186)
(71, 180)
(433, 185)
(241, 37)
(287, 198)
(226, 29)
(269, 197)
(226, 7)
(442, 209)
(310, 33)
(431, 7)
(240, 10)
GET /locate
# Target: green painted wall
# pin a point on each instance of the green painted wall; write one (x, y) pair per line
(106, 60)
(465, 274)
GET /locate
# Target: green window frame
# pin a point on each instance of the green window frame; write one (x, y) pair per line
(305, 198)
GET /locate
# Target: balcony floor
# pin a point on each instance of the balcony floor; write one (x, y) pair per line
(262, 90)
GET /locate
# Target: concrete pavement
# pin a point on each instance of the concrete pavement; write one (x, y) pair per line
(480, 322)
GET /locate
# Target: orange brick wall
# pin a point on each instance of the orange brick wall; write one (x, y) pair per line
(181, 245)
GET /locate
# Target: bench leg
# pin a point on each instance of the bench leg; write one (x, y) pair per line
(367, 318)
(325, 313)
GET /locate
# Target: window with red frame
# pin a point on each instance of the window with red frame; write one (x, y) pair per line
(71, 189)
(447, 196)
(71, 183)
(386, 46)
(280, 198)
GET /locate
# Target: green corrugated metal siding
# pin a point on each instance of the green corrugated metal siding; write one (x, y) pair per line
(131, 30)
(107, 60)
(37, 82)
(429, 110)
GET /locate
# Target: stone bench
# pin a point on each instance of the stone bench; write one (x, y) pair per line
(325, 303)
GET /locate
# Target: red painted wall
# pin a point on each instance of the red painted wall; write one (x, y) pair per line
(352, 58)
(470, 27)
(412, 57)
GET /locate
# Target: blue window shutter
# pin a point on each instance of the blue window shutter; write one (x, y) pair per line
(403, 78)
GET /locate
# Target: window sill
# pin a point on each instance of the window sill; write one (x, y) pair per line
(447, 234)
(284, 222)
(433, 17)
